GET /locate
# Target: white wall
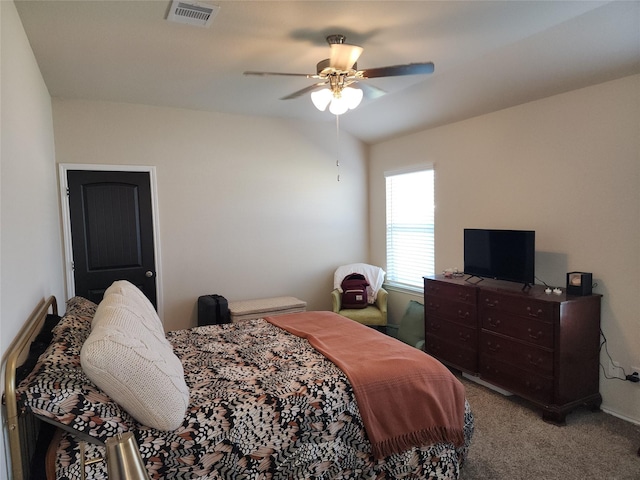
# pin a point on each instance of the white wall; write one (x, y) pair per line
(567, 167)
(30, 242)
(248, 207)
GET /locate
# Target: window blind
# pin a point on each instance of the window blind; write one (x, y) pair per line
(410, 227)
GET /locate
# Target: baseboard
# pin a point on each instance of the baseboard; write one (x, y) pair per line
(635, 421)
(479, 381)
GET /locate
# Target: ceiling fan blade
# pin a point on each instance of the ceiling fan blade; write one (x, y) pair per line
(264, 74)
(370, 92)
(308, 89)
(398, 70)
(343, 56)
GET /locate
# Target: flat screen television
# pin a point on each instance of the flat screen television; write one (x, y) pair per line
(500, 254)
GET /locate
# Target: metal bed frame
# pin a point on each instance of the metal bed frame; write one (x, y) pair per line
(23, 429)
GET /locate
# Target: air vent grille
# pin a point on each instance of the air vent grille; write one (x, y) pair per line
(192, 13)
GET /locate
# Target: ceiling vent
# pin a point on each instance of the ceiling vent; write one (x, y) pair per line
(192, 13)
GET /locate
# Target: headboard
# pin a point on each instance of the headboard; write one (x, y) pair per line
(22, 428)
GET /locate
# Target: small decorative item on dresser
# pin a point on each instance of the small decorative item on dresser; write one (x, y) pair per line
(579, 283)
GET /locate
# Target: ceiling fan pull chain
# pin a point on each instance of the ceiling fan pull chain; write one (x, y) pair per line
(338, 145)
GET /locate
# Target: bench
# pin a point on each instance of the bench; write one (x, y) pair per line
(265, 307)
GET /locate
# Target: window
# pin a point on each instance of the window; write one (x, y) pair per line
(410, 227)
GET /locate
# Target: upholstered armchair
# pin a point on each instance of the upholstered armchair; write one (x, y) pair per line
(374, 315)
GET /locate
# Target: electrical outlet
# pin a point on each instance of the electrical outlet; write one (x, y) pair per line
(634, 376)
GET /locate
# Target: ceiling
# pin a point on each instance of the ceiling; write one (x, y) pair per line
(488, 55)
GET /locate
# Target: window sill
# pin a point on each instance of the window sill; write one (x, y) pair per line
(408, 289)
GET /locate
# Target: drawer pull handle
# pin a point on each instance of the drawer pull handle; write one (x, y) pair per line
(535, 314)
(434, 306)
(463, 296)
(492, 322)
(535, 336)
(490, 303)
(463, 315)
(492, 348)
(535, 363)
(463, 337)
(434, 326)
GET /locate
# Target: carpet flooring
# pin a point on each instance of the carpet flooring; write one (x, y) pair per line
(512, 442)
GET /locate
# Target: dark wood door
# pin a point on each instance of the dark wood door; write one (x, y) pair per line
(111, 231)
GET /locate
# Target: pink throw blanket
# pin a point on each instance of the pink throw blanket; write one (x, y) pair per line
(406, 398)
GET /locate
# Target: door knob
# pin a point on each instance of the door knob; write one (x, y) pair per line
(148, 274)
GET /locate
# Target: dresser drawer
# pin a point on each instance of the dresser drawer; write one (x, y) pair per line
(518, 305)
(527, 384)
(528, 357)
(461, 335)
(460, 293)
(452, 354)
(453, 310)
(522, 328)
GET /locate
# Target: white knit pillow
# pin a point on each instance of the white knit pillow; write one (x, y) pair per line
(127, 294)
(128, 358)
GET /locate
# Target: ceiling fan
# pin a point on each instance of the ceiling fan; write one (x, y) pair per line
(340, 71)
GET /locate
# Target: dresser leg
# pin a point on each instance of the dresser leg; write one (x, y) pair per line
(557, 414)
(556, 417)
(594, 404)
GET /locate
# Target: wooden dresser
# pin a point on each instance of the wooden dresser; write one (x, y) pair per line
(542, 347)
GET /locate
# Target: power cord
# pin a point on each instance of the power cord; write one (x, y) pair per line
(631, 378)
(542, 281)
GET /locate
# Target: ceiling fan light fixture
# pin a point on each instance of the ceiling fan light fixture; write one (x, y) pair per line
(321, 98)
(353, 96)
(339, 106)
(339, 101)
(344, 56)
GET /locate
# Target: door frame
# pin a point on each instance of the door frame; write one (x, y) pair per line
(63, 168)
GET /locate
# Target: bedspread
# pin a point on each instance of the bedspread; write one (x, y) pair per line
(264, 403)
(405, 396)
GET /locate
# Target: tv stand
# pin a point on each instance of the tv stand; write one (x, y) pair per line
(544, 348)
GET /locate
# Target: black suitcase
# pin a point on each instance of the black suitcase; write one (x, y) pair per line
(212, 310)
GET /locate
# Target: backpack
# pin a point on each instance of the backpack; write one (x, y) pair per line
(354, 291)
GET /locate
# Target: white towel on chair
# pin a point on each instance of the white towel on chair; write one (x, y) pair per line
(373, 274)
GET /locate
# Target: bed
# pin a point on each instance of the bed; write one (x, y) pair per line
(261, 403)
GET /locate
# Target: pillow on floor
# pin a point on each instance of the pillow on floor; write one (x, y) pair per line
(130, 359)
(411, 329)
